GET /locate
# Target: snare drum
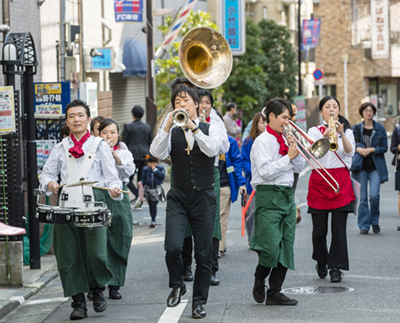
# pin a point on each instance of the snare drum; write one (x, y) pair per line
(91, 217)
(53, 214)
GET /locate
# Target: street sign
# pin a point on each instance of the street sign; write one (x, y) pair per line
(103, 59)
(319, 82)
(318, 74)
(51, 99)
(234, 25)
(128, 10)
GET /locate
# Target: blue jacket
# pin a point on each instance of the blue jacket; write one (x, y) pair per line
(379, 142)
(246, 149)
(159, 175)
(234, 158)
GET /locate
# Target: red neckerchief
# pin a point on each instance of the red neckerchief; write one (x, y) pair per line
(322, 128)
(208, 119)
(116, 147)
(77, 150)
(283, 149)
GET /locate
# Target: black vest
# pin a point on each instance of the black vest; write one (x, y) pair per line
(190, 171)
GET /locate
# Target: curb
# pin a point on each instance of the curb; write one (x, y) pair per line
(8, 307)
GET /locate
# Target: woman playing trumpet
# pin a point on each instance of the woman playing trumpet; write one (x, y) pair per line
(322, 200)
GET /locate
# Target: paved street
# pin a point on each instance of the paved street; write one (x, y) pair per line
(374, 277)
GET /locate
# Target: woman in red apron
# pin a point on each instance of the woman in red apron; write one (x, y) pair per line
(323, 200)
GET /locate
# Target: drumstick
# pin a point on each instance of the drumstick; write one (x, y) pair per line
(62, 185)
(106, 188)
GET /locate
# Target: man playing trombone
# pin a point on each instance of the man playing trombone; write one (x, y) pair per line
(273, 161)
(192, 146)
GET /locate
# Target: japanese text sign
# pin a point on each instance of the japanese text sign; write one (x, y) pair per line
(128, 10)
(51, 99)
(234, 25)
(7, 110)
(103, 62)
(380, 29)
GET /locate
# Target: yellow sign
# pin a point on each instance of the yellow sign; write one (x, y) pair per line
(49, 108)
(7, 111)
(53, 88)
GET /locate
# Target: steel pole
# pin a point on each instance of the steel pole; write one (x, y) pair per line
(151, 109)
(299, 43)
(62, 40)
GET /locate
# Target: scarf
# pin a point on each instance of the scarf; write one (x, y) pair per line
(77, 150)
(208, 119)
(283, 148)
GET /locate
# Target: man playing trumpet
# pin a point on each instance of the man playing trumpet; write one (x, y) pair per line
(192, 148)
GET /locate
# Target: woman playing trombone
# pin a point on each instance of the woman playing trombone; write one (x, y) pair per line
(322, 199)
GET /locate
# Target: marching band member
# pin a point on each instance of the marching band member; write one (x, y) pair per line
(191, 199)
(210, 116)
(119, 237)
(95, 124)
(322, 199)
(81, 253)
(272, 165)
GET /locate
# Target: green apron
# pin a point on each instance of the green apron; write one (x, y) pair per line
(81, 255)
(275, 226)
(217, 225)
(119, 237)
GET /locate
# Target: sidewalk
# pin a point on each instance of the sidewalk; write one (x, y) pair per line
(34, 281)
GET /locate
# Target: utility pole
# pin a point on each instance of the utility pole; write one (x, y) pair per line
(81, 52)
(299, 43)
(62, 40)
(151, 108)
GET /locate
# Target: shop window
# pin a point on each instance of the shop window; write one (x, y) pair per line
(326, 90)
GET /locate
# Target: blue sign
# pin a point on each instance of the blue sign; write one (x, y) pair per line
(318, 74)
(310, 33)
(103, 62)
(51, 99)
(234, 25)
(128, 10)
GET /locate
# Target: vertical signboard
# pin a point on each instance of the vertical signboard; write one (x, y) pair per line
(128, 10)
(7, 110)
(310, 33)
(234, 25)
(380, 29)
(51, 99)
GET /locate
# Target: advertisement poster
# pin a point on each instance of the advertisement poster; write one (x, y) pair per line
(43, 149)
(51, 99)
(128, 10)
(7, 112)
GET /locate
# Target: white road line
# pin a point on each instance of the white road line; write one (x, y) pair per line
(173, 314)
(48, 300)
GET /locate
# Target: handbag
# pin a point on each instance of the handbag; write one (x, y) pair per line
(357, 159)
(156, 194)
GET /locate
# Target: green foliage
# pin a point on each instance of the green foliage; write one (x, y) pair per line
(169, 68)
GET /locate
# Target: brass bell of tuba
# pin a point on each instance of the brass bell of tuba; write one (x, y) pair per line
(205, 57)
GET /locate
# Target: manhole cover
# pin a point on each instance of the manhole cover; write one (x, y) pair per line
(310, 290)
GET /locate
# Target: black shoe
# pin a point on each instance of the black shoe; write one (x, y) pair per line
(336, 275)
(280, 299)
(79, 312)
(376, 228)
(363, 231)
(214, 280)
(198, 311)
(113, 292)
(259, 290)
(174, 299)
(321, 270)
(90, 296)
(99, 302)
(187, 274)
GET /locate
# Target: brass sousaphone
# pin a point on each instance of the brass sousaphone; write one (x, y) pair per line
(206, 60)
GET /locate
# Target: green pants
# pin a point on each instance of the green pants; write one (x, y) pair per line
(275, 226)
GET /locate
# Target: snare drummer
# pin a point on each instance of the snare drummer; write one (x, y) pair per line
(81, 253)
(119, 237)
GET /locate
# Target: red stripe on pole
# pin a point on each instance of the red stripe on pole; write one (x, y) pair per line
(168, 40)
(184, 13)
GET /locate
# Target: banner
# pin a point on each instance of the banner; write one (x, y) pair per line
(128, 10)
(380, 29)
(234, 25)
(310, 33)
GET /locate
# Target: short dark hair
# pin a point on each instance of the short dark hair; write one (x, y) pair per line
(152, 159)
(203, 92)
(78, 103)
(106, 123)
(230, 106)
(93, 122)
(325, 99)
(188, 91)
(65, 131)
(137, 111)
(181, 81)
(277, 106)
(364, 106)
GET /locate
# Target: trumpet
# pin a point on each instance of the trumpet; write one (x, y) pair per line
(180, 118)
(303, 151)
(333, 141)
(203, 116)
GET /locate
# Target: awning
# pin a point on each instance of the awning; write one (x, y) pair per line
(134, 58)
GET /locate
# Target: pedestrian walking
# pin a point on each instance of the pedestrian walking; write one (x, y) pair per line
(369, 165)
(233, 129)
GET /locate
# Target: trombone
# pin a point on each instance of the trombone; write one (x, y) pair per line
(321, 146)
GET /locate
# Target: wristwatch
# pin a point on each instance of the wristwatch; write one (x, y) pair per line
(195, 129)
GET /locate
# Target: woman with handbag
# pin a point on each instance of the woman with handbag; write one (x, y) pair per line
(152, 177)
(369, 165)
(322, 199)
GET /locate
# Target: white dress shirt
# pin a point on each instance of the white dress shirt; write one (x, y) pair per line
(330, 160)
(216, 120)
(268, 167)
(127, 167)
(103, 169)
(209, 144)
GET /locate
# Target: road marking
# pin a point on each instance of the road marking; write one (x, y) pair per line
(173, 314)
(20, 299)
(48, 300)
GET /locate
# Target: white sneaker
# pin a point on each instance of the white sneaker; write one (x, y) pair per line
(138, 204)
